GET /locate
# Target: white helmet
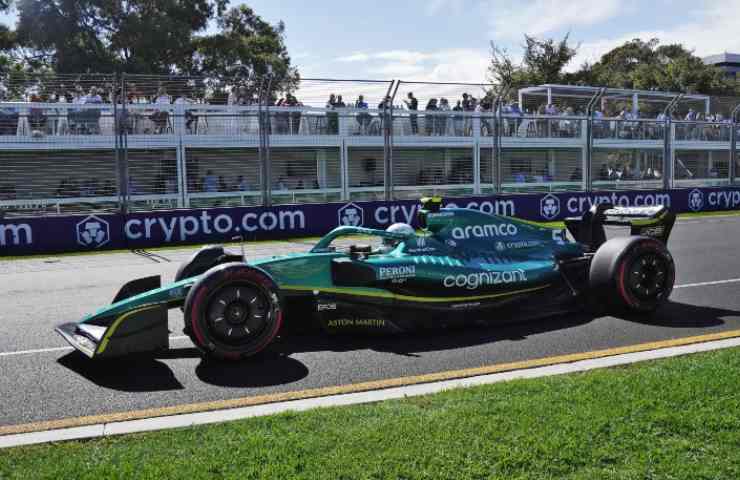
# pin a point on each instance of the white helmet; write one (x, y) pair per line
(400, 228)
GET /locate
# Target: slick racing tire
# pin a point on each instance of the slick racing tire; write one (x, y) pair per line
(203, 260)
(633, 273)
(233, 311)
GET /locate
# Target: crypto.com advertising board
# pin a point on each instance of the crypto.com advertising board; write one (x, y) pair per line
(160, 228)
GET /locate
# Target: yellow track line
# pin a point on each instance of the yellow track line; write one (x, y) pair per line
(357, 387)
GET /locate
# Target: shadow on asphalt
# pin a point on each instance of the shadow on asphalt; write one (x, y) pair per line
(136, 374)
(684, 315)
(275, 366)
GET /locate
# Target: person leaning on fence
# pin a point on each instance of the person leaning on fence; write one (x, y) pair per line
(413, 104)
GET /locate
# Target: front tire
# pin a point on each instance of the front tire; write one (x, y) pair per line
(632, 273)
(233, 311)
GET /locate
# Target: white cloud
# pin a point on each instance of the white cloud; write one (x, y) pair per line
(448, 65)
(509, 19)
(709, 31)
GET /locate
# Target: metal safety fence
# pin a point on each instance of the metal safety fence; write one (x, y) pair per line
(136, 143)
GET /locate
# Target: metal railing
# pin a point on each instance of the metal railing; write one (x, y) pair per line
(59, 158)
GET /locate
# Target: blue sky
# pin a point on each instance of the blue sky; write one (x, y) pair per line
(448, 40)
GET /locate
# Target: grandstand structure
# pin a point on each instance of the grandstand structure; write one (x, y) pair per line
(99, 143)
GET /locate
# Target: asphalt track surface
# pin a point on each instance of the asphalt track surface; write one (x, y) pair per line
(41, 379)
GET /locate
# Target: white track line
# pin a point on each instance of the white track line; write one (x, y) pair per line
(220, 416)
(59, 349)
(181, 337)
(704, 284)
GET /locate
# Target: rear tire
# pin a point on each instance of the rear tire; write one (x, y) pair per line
(632, 273)
(233, 311)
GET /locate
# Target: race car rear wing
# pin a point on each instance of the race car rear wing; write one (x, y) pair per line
(656, 222)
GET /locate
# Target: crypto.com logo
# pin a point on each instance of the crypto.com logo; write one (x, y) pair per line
(351, 215)
(93, 232)
(696, 200)
(549, 206)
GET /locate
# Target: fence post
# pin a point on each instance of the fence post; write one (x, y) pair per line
(497, 152)
(387, 114)
(668, 154)
(121, 134)
(733, 144)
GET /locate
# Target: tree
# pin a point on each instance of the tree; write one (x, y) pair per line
(244, 40)
(136, 36)
(647, 65)
(543, 61)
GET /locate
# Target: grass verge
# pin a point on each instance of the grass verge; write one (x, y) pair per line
(674, 419)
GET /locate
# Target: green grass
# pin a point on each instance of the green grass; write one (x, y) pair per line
(670, 419)
(307, 239)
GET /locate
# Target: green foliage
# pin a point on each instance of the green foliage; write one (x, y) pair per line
(543, 61)
(649, 65)
(151, 37)
(245, 40)
(637, 64)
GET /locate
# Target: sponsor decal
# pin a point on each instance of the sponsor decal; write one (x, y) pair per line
(356, 322)
(696, 200)
(579, 203)
(466, 305)
(322, 307)
(549, 206)
(484, 231)
(474, 280)
(440, 214)
(656, 231)
(16, 234)
(523, 244)
(93, 232)
(351, 215)
(559, 236)
(724, 199)
(451, 243)
(401, 272)
(421, 246)
(500, 247)
(181, 228)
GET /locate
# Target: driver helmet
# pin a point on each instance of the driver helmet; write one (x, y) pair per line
(401, 228)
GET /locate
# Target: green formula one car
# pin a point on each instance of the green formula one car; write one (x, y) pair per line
(465, 267)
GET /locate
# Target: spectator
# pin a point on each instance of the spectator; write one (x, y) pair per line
(222, 187)
(413, 104)
(210, 182)
(190, 118)
(332, 118)
(241, 184)
(466, 103)
(441, 121)
(92, 96)
(340, 102)
(458, 119)
(362, 118)
(429, 119)
(161, 117)
(295, 116)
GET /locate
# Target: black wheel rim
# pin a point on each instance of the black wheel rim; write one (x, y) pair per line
(647, 276)
(237, 314)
